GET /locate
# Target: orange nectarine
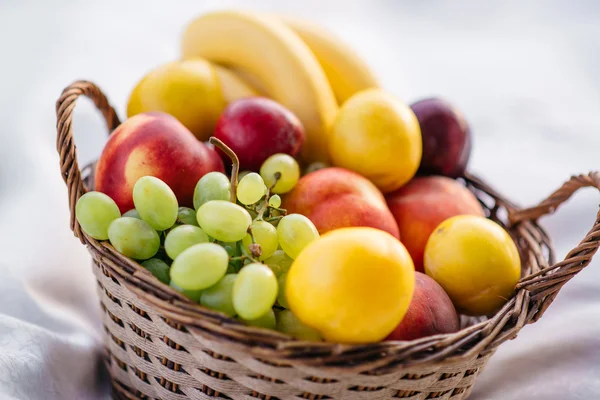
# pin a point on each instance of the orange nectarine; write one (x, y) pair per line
(336, 197)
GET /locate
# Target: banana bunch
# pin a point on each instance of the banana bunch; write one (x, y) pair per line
(240, 53)
(298, 64)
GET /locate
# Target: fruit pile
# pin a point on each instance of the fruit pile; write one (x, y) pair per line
(266, 175)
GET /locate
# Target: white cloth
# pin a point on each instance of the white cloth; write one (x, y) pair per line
(524, 73)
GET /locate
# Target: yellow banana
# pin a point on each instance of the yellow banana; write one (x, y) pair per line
(233, 87)
(269, 50)
(346, 71)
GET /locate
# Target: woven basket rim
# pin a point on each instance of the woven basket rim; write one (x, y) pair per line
(540, 281)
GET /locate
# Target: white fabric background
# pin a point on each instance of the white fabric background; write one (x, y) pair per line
(524, 73)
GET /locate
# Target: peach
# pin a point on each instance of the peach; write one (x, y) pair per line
(156, 144)
(430, 312)
(425, 202)
(337, 198)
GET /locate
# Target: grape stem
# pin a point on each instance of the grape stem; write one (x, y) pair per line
(266, 206)
(243, 258)
(281, 210)
(235, 164)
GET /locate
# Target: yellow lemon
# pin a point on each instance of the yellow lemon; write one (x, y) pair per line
(353, 285)
(476, 262)
(189, 90)
(379, 137)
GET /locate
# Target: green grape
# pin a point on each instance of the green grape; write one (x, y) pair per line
(159, 269)
(231, 249)
(212, 186)
(279, 262)
(267, 320)
(186, 216)
(295, 232)
(95, 211)
(133, 238)
(231, 269)
(251, 189)
(224, 220)
(155, 202)
(132, 213)
(275, 201)
(283, 165)
(200, 266)
(288, 323)
(193, 295)
(219, 297)
(265, 235)
(281, 299)
(254, 291)
(182, 237)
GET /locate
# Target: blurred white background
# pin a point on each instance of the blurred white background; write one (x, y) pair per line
(525, 75)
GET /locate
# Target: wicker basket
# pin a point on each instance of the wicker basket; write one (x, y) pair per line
(160, 345)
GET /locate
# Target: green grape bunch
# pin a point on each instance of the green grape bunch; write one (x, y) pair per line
(230, 253)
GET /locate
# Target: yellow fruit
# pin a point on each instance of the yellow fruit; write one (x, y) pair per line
(194, 91)
(277, 57)
(353, 285)
(379, 137)
(234, 86)
(188, 90)
(476, 262)
(346, 71)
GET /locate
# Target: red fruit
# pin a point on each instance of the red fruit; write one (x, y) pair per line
(155, 144)
(335, 198)
(255, 128)
(430, 312)
(216, 160)
(422, 204)
(446, 138)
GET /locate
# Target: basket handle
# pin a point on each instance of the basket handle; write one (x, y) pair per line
(541, 284)
(65, 144)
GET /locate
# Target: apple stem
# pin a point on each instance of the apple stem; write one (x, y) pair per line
(235, 164)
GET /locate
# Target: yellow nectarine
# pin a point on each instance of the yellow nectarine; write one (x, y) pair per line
(379, 137)
(353, 285)
(476, 262)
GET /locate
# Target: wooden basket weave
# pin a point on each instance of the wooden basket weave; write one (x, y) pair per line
(160, 345)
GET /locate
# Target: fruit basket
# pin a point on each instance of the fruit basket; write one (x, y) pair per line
(161, 345)
(348, 253)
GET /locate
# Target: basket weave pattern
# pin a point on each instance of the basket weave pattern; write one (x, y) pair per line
(160, 345)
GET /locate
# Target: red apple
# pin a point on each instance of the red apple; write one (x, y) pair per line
(446, 138)
(430, 312)
(156, 144)
(256, 128)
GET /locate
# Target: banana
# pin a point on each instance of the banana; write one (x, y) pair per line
(233, 87)
(346, 71)
(269, 50)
